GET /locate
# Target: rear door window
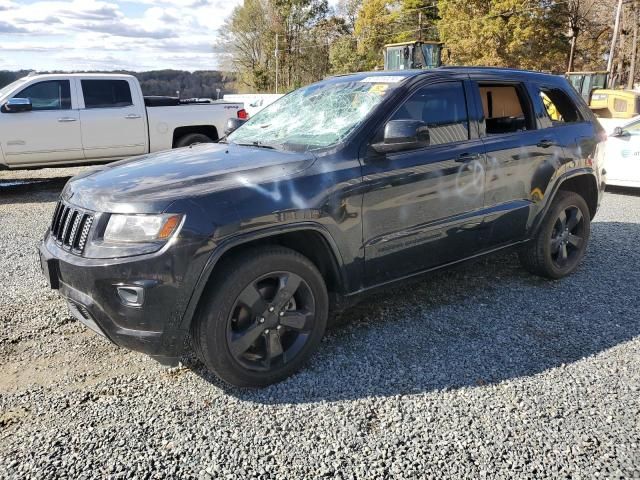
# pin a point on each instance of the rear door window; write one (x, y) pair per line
(559, 107)
(505, 108)
(48, 95)
(443, 107)
(106, 93)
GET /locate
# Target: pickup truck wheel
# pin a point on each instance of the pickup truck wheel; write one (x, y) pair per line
(561, 241)
(192, 139)
(262, 318)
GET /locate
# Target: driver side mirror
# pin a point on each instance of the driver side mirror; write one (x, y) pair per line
(233, 124)
(17, 105)
(619, 132)
(401, 135)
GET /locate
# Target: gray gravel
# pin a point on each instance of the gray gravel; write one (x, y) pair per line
(480, 372)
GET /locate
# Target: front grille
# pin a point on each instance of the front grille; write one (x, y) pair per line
(70, 228)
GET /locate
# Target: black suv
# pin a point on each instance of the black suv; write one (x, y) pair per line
(338, 188)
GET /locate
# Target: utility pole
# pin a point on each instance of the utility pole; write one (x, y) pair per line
(420, 26)
(612, 50)
(634, 46)
(276, 53)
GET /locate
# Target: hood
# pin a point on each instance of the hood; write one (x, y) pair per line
(150, 183)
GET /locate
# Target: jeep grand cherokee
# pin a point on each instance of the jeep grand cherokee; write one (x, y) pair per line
(352, 183)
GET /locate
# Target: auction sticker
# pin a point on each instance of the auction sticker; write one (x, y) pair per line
(379, 88)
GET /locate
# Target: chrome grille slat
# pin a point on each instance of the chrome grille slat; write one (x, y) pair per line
(56, 215)
(67, 225)
(74, 229)
(61, 224)
(85, 233)
(70, 227)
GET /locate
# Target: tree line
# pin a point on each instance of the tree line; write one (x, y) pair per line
(200, 84)
(283, 44)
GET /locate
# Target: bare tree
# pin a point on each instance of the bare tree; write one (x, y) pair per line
(634, 45)
(579, 14)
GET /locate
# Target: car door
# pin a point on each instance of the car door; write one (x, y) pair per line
(422, 208)
(623, 156)
(521, 157)
(112, 124)
(50, 132)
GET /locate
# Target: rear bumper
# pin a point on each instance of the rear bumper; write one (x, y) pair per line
(91, 289)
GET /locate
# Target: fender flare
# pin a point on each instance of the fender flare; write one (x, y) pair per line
(238, 240)
(554, 191)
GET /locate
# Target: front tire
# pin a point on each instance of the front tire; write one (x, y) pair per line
(561, 242)
(264, 314)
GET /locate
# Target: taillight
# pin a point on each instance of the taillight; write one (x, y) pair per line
(242, 114)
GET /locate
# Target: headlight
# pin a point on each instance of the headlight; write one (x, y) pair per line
(141, 228)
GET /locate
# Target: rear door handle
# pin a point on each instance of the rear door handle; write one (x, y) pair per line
(467, 157)
(67, 119)
(546, 143)
(132, 116)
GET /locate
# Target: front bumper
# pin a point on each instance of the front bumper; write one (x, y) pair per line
(90, 286)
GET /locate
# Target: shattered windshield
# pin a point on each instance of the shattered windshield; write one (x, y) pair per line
(315, 117)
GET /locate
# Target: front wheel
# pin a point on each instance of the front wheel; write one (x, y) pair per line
(561, 241)
(264, 315)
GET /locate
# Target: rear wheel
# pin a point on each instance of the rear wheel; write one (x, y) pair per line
(561, 241)
(264, 316)
(193, 139)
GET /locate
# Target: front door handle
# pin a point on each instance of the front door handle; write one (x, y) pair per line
(467, 157)
(546, 143)
(66, 119)
(132, 116)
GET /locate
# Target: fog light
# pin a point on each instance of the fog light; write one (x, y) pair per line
(131, 295)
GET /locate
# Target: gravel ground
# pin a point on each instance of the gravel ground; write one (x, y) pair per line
(479, 372)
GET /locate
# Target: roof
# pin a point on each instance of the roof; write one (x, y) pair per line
(83, 75)
(413, 42)
(411, 73)
(591, 72)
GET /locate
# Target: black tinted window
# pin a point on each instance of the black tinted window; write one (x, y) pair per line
(559, 106)
(443, 108)
(106, 93)
(49, 95)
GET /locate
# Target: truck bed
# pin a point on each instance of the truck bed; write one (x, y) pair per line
(166, 101)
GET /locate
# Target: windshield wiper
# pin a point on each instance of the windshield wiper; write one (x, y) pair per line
(257, 144)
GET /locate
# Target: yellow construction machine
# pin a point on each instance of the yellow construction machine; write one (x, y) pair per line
(414, 54)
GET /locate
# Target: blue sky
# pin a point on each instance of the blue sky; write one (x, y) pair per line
(106, 35)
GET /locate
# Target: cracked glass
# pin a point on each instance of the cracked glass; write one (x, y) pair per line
(314, 117)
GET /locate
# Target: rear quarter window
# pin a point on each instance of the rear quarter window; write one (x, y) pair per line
(559, 107)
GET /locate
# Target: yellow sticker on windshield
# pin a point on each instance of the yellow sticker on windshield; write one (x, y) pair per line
(379, 88)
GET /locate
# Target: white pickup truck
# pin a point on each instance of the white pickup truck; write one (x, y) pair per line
(57, 119)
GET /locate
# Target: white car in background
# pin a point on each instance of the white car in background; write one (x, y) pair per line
(623, 155)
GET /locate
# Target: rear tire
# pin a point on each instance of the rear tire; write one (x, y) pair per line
(562, 239)
(250, 331)
(193, 139)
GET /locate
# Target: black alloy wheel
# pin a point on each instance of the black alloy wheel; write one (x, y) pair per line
(561, 241)
(261, 317)
(567, 238)
(271, 321)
